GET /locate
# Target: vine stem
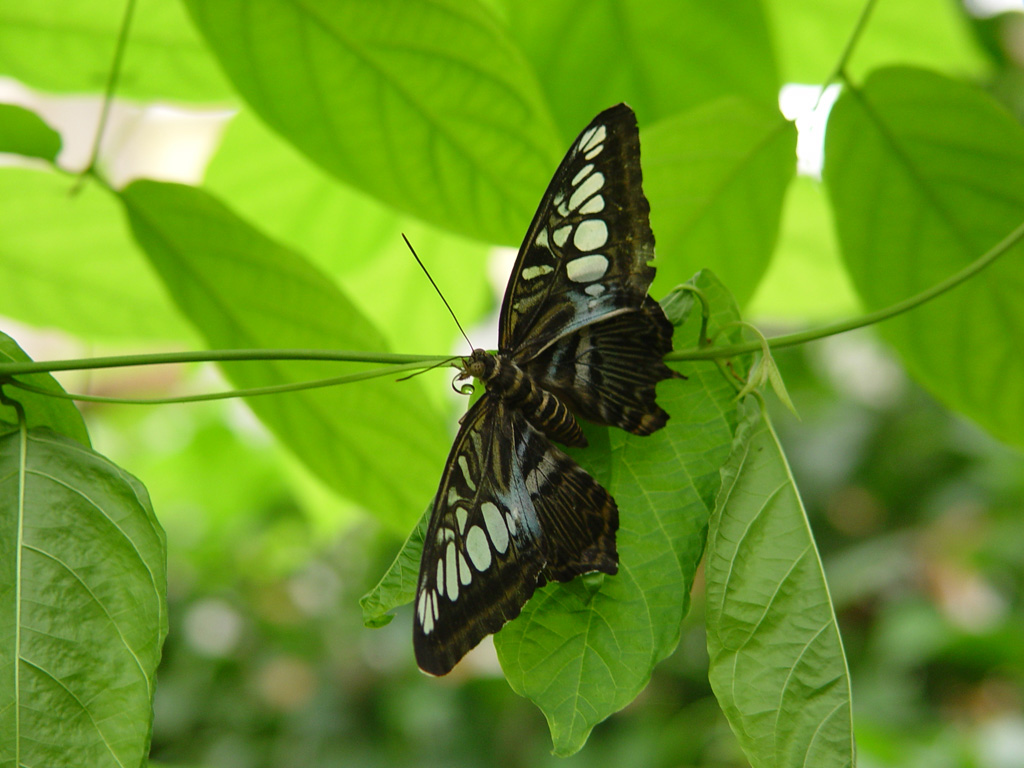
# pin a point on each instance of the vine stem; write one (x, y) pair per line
(215, 356)
(851, 43)
(274, 389)
(792, 339)
(110, 90)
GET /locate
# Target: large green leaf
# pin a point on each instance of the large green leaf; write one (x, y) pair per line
(59, 255)
(661, 58)
(83, 607)
(68, 45)
(355, 239)
(426, 105)
(925, 175)
(777, 663)
(24, 133)
(56, 413)
(377, 442)
(716, 178)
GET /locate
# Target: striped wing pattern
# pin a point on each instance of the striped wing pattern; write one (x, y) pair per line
(578, 336)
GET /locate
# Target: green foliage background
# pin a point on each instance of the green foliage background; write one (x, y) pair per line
(444, 120)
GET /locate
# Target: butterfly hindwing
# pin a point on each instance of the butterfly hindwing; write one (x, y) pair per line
(587, 250)
(607, 372)
(512, 511)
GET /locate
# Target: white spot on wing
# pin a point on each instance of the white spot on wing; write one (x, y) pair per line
(421, 608)
(583, 173)
(594, 290)
(464, 573)
(531, 272)
(586, 137)
(562, 234)
(587, 269)
(591, 234)
(590, 140)
(461, 516)
(510, 518)
(478, 547)
(451, 576)
(594, 152)
(593, 205)
(464, 465)
(542, 239)
(495, 526)
(440, 576)
(586, 190)
(453, 495)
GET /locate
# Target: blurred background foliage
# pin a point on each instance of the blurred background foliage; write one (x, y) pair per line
(918, 514)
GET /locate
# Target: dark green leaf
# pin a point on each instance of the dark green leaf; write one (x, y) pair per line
(68, 45)
(83, 610)
(660, 58)
(378, 95)
(24, 133)
(777, 662)
(377, 441)
(716, 178)
(58, 414)
(925, 175)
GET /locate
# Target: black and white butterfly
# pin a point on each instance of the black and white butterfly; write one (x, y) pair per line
(578, 335)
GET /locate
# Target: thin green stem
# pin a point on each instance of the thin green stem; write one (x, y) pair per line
(111, 89)
(213, 355)
(851, 43)
(871, 318)
(275, 389)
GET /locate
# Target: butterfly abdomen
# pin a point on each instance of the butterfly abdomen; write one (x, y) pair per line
(517, 388)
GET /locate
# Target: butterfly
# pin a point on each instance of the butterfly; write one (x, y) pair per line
(578, 336)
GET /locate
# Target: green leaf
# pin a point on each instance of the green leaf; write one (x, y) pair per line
(398, 585)
(83, 610)
(68, 45)
(354, 238)
(661, 58)
(376, 442)
(378, 95)
(777, 663)
(58, 414)
(24, 133)
(58, 254)
(925, 175)
(583, 650)
(813, 33)
(716, 178)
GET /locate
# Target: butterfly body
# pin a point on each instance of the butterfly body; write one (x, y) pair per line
(578, 337)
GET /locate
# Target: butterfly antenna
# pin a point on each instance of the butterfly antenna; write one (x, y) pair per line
(450, 310)
(431, 368)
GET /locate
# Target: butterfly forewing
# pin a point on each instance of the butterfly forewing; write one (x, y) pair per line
(512, 511)
(587, 250)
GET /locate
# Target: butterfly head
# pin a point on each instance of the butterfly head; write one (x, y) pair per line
(478, 365)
